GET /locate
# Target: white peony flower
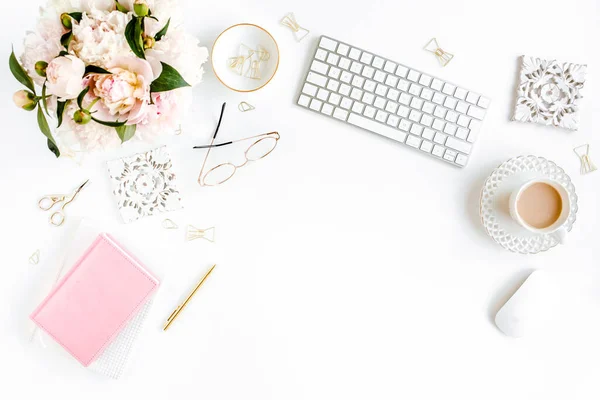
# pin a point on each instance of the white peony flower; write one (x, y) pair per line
(65, 77)
(99, 39)
(85, 138)
(182, 52)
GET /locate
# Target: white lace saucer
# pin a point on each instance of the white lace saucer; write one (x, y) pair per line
(494, 203)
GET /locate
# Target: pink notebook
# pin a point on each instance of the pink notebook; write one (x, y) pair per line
(92, 303)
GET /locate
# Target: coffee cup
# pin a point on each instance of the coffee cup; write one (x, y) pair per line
(541, 206)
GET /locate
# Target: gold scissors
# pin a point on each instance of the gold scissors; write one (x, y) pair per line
(46, 203)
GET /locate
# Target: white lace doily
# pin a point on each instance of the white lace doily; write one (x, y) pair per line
(494, 203)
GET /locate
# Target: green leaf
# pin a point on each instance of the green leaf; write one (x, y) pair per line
(126, 132)
(43, 124)
(168, 80)
(76, 16)
(44, 101)
(121, 8)
(19, 72)
(113, 124)
(60, 110)
(92, 69)
(163, 31)
(82, 96)
(66, 39)
(133, 34)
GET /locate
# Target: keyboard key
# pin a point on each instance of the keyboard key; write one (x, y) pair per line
(309, 89)
(415, 89)
(428, 107)
(449, 89)
(346, 103)
(321, 55)
(450, 102)
(438, 98)
(356, 67)
(405, 98)
(472, 98)
(391, 107)
(476, 112)
(461, 159)
(333, 59)
(327, 109)
(440, 112)
(438, 150)
(425, 80)
(428, 133)
(463, 120)
(483, 102)
(381, 116)
(345, 89)
(328, 44)
(356, 94)
(317, 79)
(462, 133)
(413, 75)
(436, 84)
(369, 86)
(403, 111)
(333, 85)
(334, 72)
(451, 116)
(426, 119)
(416, 103)
(335, 98)
(440, 138)
(474, 127)
(368, 72)
(391, 80)
(340, 114)
(304, 100)
(426, 146)
(450, 129)
(403, 85)
(370, 111)
(416, 129)
(404, 125)
(358, 107)
(378, 62)
(316, 104)
(343, 49)
(366, 58)
(381, 89)
(380, 102)
(415, 115)
(379, 76)
(460, 93)
(368, 98)
(354, 54)
(373, 126)
(462, 107)
(401, 71)
(393, 94)
(358, 81)
(426, 94)
(390, 67)
(413, 141)
(319, 67)
(438, 124)
(393, 120)
(459, 145)
(344, 63)
(323, 94)
(450, 155)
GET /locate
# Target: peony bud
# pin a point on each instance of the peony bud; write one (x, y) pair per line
(40, 68)
(141, 8)
(82, 117)
(149, 42)
(25, 99)
(66, 21)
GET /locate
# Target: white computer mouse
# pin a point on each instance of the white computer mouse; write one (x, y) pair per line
(530, 308)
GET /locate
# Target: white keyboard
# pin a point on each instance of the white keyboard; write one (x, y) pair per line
(388, 98)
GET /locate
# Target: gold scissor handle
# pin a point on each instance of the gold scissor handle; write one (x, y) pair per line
(49, 201)
(57, 218)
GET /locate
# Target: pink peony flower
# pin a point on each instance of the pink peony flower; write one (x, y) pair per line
(65, 77)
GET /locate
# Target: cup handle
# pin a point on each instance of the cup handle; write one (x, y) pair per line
(561, 235)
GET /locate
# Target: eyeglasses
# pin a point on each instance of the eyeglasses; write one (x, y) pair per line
(261, 147)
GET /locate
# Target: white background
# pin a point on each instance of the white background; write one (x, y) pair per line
(348, 266)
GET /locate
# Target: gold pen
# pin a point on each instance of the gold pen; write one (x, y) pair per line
(182, 306)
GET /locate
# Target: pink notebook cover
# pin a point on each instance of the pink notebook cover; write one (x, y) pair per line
(92, 303)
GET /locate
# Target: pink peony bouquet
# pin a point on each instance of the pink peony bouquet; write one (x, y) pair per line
(107, 71)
